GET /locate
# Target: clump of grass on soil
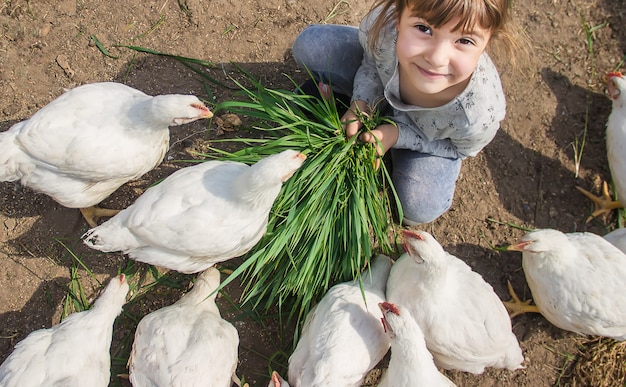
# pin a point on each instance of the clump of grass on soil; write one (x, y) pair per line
(330, 216)
(601, 363)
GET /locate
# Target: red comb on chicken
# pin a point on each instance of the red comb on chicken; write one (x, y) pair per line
(389, 307)
(410, 234)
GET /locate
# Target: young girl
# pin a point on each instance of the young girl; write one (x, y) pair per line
(426, 61)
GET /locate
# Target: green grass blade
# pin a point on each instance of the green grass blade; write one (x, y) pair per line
(330, 216)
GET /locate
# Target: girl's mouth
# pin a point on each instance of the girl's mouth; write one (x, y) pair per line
(430, 74)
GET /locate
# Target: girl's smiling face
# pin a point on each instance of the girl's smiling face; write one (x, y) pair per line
(436, 63)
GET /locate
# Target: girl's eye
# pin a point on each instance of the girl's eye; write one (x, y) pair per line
(424, 29)
(466, 41)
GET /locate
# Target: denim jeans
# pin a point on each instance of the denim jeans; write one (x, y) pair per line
(331, 52)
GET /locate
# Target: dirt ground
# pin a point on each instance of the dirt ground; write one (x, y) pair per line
(526, 176)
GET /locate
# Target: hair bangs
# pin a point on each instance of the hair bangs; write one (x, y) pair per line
(468, 14)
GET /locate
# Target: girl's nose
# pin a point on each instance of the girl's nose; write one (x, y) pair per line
(438, 55)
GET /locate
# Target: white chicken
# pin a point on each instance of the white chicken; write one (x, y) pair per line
(342, 338)
(615, 146)
(199, 215)
(89, 141)
(186, 344)
(578, 281)
(411, 363)
(72, 353)
(465, 324)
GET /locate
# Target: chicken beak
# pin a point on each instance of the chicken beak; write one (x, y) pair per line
(205, 112)
(408, 234)
(518, 246)
(276, 379)
(300, 156)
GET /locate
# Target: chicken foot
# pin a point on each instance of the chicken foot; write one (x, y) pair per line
(516, 306)
(603, 204)
(93, 213)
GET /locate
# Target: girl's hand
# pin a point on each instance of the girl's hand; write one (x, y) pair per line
(352, 125)
(384, 136)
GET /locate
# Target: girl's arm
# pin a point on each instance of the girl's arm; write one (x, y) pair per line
(468, 143)
(368, 88)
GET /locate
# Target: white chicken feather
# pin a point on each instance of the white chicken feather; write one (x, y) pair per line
(72, 353)
(186, 344)
(465, 324)
(578, 281)
(616, 133)
(90, 140)
(342, 338)
(411, 363)
(199, 215)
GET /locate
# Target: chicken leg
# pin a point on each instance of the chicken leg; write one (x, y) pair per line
(603, 204)
(93, 213)
(517, 306)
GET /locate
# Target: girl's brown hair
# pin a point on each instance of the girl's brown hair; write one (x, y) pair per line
(492, 15)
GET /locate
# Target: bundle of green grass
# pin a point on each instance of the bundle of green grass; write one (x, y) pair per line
(329, 218)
